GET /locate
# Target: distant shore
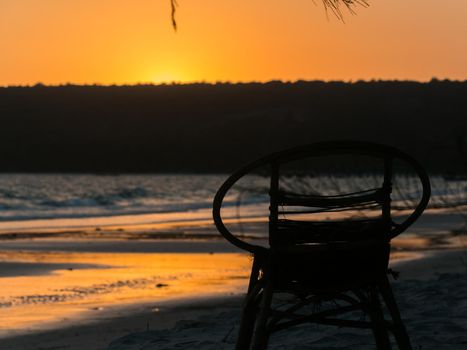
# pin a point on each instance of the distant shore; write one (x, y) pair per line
(183, 128)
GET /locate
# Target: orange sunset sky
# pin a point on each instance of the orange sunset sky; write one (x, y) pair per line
(132, 41)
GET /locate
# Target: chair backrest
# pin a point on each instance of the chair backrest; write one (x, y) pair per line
(303, 217)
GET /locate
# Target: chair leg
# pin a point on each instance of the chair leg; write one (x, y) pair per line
(261, 336)
(247, 322)
(254, 273)
(379, 327)
(400, 333)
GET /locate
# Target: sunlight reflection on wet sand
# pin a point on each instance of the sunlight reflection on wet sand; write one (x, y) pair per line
(82, 284)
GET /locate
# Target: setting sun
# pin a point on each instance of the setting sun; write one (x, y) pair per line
(167, 74)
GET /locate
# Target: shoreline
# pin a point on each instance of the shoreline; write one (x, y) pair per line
(199, 220)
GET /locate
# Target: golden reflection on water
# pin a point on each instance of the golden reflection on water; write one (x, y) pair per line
(72, 285)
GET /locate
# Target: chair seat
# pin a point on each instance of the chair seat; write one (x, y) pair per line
(335, 266)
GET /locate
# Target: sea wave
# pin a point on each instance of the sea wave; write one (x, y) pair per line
(58, 196)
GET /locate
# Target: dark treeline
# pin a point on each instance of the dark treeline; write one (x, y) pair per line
(216, 128)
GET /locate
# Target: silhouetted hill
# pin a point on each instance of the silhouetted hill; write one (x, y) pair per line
(215, 128)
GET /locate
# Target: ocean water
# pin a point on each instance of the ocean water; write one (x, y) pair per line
(49, 198)
(40, 202)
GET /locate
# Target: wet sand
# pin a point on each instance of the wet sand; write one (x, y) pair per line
(52, 289)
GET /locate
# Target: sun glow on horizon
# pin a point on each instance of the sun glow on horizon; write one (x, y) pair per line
(168, 76)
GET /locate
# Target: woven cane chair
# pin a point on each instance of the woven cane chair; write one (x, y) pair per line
(340, 261)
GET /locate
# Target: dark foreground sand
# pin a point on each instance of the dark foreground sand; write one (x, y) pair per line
(100, 333)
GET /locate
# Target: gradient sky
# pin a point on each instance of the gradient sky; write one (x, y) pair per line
(131, 41)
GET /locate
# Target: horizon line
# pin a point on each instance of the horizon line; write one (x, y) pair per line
(251, 82)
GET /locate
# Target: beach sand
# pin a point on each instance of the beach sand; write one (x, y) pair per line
(431, 293)
(99, 332)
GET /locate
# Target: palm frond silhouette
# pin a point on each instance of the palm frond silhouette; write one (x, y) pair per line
(333, 6)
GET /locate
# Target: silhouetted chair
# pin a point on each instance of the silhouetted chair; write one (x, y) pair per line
(339, 261)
